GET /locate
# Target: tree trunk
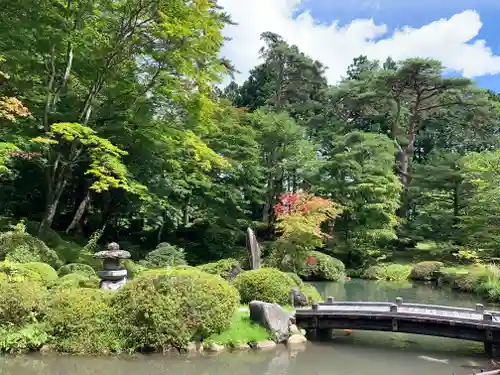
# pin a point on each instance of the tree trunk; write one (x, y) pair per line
(185, 213)
(53, 198)
(404, 164)
(79, 212)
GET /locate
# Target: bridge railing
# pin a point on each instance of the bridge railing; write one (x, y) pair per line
(393, 307)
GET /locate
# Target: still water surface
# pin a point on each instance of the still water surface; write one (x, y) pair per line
(361, 353)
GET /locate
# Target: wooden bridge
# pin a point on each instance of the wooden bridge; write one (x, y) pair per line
(445, 321)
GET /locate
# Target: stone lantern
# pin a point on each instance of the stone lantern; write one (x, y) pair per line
(114, 276)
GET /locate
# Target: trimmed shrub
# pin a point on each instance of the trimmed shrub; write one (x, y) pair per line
(24, 248)
(322, 267)
(356, 273)
(22, 303)
(228, 269)
(165, 255)
(81, 268)
(134, 269)
(296, 279)
(81, 321)
(41, 272)
(425, 270)
(170, 308)
(15, 272)
(373, 273)
(397, 272)
(77, 280)
(265, 284)
(311, 293)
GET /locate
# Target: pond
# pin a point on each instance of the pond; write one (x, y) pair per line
(360, 353)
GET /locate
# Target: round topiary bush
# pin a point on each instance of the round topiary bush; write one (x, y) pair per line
(22, 302)
(170, 308)
(296, 279)
(424, 271)
(373, 273)
(228, 269)
(165, 255)
(81, 321)
(81, 268)
(24, 248)
(311, 293)
(41, 272)
(321, 266)
(265, 284)
(77, 280)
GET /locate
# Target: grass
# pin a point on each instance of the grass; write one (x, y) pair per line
(241, 331)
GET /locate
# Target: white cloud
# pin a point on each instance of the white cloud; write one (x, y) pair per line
(446, 39)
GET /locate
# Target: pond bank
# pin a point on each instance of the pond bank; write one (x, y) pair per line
(482, 280)
(376, 353)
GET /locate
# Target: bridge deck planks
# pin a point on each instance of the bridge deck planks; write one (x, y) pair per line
(476, 324)
(429, 310)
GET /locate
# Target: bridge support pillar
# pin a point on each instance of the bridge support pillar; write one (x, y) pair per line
(492, 350)
(323, 334)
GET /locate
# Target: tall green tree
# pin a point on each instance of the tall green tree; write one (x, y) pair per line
(358, 174)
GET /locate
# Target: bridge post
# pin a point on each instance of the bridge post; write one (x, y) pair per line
(399, 301)
(492, 350)
(330, 300)
(479, 308)
(394, 308)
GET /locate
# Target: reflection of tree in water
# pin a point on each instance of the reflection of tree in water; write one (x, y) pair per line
(367, 290)
(327, 289)
(244, 363)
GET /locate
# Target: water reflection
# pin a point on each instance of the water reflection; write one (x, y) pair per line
(365, 290)
(317, 359)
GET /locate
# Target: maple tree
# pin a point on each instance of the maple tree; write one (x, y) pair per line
(299, 218)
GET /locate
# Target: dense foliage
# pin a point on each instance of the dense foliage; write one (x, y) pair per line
(113, 128)
(271, 285)
(157, 310)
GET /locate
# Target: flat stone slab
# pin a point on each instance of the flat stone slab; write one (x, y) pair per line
(112, 254)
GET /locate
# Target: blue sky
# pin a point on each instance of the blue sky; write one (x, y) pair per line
(396, 14)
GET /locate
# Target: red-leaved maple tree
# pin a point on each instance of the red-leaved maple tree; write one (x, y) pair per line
(299, 218)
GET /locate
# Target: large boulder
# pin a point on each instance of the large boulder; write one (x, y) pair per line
(272, 317)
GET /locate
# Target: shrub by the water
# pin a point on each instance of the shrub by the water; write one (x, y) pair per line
(23, 248)
(311, 293)
(322, 266)
(83, 269)
(425, 270)
(161, 309)
(22, 303)
(81, 321)
(265, 284)
(356, 273)
(30, 337)
(373, 273)
(298, 281)
(77, 280)
(228, 269)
